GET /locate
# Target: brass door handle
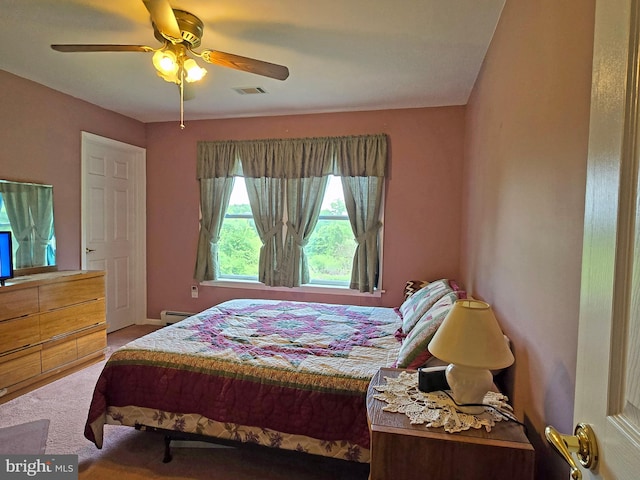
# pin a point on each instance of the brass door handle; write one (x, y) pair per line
(582, 443)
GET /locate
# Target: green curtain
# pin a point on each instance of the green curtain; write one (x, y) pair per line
(300, 166)
(266, 197)
(304, 201)
(351, 156)
(218, 159)
(214, 200)
(41, 204)
(16, 201)
(360, 156)
(363, 198)
(217, 164)
(362, 163)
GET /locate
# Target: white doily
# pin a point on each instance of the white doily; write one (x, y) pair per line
(436, 409)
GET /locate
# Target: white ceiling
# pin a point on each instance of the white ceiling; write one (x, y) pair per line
(343, 55)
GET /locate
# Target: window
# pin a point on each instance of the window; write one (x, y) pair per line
(299, 167)
(329, 253)
(239, 244)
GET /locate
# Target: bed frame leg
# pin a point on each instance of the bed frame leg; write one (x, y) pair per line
(167, 449)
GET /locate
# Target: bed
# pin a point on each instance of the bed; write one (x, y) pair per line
(283, 374)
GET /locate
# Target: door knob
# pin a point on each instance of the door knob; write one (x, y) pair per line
(89, 250)
(582, 443)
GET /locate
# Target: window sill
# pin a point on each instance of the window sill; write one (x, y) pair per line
(315, 289)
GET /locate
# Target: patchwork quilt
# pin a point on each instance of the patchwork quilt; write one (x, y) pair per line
(284, 374)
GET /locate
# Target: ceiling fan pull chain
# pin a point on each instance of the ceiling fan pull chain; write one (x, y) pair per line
(182, 98)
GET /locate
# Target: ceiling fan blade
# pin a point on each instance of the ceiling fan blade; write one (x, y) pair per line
(246, 64)
(164, 19)
(102, 48)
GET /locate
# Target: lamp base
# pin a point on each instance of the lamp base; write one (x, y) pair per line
(469, 385)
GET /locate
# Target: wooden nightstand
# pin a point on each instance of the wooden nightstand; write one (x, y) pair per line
(401, 451)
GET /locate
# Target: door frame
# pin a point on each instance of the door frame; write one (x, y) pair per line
(139, 275)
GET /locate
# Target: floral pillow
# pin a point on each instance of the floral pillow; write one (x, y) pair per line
(422, 300)
(413, 351)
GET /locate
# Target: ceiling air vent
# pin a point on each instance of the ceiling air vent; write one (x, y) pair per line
(250, 90)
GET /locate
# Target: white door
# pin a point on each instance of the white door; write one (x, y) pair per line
(113, 224)
(608, 369)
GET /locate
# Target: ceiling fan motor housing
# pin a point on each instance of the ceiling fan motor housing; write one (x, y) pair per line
(191, 28)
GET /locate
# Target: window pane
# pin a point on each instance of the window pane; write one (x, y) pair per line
(331, 247)
(333, 201)
(330, 252)
(239, 246)
(239, 200)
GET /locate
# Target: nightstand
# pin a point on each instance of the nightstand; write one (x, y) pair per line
(401, 451)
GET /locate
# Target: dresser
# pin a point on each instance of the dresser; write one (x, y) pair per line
(51, 324)
(401, 451)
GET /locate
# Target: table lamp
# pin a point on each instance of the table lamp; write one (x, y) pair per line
(471, 341)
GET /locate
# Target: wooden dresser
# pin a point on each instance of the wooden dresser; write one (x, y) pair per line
(51, 324)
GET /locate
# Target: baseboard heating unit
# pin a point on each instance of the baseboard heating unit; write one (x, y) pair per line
(170, 317)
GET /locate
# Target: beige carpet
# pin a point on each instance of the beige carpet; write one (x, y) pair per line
(24, 439)
(65, 402)
(130, 454)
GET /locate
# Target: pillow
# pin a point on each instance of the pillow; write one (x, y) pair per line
(413, 351)
(418, 303)
(412, 286)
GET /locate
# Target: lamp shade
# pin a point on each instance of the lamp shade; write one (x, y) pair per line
(470, 336)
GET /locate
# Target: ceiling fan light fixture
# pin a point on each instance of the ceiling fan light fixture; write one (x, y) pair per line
(166, 63)
(193, 71)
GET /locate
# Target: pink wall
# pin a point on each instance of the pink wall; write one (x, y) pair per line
(525, 169)
(423, 198)
(40, 137)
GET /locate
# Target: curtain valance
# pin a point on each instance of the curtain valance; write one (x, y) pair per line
(352, 156)
(218, 160)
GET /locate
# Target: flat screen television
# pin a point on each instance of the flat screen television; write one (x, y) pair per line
(6, 257)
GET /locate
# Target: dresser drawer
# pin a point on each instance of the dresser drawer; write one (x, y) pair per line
(91, 343)
(58, 353)
(64, 320)
(19, 332)
(57, 295)
(16, 303)
(20, 368)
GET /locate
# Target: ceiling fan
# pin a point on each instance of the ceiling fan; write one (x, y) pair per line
(180, 33)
